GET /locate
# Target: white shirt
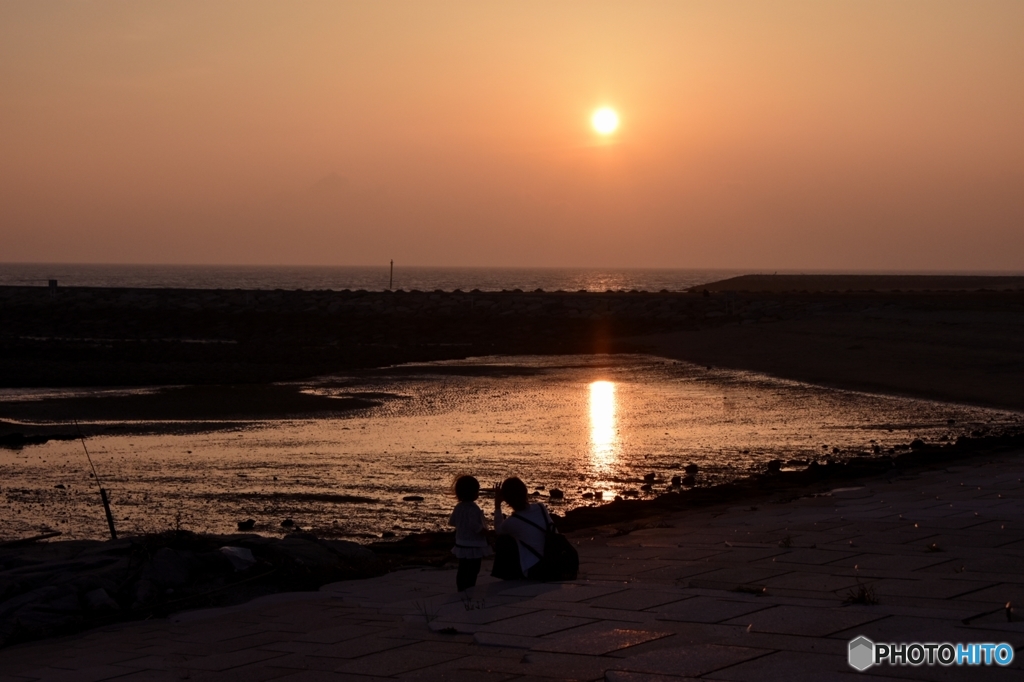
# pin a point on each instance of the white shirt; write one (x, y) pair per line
(470, 531)
(524, 533)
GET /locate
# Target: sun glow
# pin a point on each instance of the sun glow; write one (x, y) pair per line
(605, 121)
(603, 434)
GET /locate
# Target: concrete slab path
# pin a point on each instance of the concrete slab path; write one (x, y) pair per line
(773, 590)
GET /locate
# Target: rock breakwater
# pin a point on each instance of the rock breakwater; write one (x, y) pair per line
(100, 337)
(57, 587)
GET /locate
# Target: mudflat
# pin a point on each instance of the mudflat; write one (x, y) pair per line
(966, 348)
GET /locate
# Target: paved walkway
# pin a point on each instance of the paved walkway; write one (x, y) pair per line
(741, 593)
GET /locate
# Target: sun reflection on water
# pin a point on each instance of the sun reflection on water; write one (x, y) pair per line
(603, 435)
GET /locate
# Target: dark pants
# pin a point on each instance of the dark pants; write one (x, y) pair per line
(469, 569)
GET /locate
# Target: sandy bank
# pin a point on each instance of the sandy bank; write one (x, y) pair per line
(861, 283)
(965, 348)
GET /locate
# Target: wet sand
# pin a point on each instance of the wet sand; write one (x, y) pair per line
(963, 349)
(579, 429)
(183, 404)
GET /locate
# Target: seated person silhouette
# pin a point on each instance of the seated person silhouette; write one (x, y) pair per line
(521, 535)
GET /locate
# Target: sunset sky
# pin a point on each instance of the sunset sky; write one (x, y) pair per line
(786, 135)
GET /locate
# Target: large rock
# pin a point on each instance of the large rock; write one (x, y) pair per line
(352, 551)
(307, 553)
(309, 562)
(241, 558)
(168, 568)
(46, 610)
(58, 587)
(99, 600)
(144, 593)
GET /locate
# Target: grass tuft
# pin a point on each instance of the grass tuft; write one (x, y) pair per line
(864, 594)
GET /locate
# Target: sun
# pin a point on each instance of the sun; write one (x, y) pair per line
(605, 121)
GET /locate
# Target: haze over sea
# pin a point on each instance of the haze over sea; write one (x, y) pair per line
(375, 278)
(371, 278)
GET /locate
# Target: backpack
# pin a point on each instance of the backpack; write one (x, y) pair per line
(560, 560)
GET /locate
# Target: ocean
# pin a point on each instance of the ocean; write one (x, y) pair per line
(374, 278)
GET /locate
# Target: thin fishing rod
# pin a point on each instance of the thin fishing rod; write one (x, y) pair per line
(95, 474)
(81, 437)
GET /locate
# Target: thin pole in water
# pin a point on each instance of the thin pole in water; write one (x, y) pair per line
(103, 493)
(391, 279)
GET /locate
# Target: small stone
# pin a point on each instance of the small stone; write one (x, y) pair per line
(650, 477)
(287, 523)
(646, 487)
(412, 498)
(556, 494)
(677, 481)
(248, 524)
(588, 496)
(691, 469)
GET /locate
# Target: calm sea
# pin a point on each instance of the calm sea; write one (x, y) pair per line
(369, 278)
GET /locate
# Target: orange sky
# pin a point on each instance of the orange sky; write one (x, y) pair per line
(873, 135)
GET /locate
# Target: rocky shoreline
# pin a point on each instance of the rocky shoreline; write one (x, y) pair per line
(51, 588)
(622, 516)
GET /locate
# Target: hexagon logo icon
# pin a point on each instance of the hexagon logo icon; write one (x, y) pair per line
(862, 653)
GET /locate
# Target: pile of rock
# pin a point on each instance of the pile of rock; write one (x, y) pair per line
(56, 587)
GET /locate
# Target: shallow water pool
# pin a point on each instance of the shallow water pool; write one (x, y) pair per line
(582, 424)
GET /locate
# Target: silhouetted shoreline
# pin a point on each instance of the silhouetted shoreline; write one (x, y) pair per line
(624, 515)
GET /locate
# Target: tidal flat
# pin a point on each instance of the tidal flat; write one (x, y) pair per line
(379, 453)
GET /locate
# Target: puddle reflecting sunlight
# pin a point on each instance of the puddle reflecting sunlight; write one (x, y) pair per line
(603, 434)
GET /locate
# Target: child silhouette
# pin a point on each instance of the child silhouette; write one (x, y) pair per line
(470, 532)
